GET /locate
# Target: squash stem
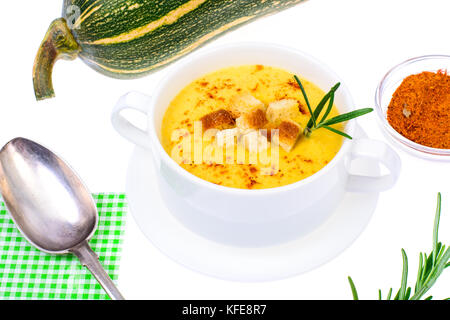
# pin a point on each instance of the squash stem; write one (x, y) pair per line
(59, 43)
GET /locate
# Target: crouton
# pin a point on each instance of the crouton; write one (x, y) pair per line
(282, 110)
(243, 104)
(255, 119)
(288, 133)
(254, 141)
(220, 119)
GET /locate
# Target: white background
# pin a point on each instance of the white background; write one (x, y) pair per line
(359, 39)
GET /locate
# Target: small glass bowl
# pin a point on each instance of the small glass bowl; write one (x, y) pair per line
(386, 89)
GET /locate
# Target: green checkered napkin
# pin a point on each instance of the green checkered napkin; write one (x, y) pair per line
(27, 273)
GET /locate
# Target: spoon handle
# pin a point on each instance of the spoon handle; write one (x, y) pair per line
(89, 259)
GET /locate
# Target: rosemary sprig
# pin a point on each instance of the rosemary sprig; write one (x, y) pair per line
(430, 268)
(314, 124)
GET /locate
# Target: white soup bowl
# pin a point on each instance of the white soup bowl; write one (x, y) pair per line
(252, 218)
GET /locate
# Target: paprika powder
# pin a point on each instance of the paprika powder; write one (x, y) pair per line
(420, 109)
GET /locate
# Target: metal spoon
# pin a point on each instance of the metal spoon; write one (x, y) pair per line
(50, 205)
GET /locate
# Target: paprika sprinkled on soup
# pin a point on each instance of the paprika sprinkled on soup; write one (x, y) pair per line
(420, 109)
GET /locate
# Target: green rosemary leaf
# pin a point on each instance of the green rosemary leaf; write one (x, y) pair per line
(447, 265)
(439, 250)
(419, 272)
(317, 111)
(436, 227)
(425, 265)
(352, 286)
(337, 131)
(389, 294)
(330, 106)
(404, 282)
(347, 116)
(319, 108)
(379, 295)
(428, 266)
(306, 100)
(397, 295)
(428, 298)
(408, 293)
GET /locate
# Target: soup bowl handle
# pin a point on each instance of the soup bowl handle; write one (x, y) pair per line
(135, 101)
(375, 151)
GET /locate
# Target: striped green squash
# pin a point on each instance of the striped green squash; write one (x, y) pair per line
(130, 38)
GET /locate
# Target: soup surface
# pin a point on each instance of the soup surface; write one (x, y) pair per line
(215, 91)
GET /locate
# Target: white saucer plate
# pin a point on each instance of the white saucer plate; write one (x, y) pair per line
(244, 264)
